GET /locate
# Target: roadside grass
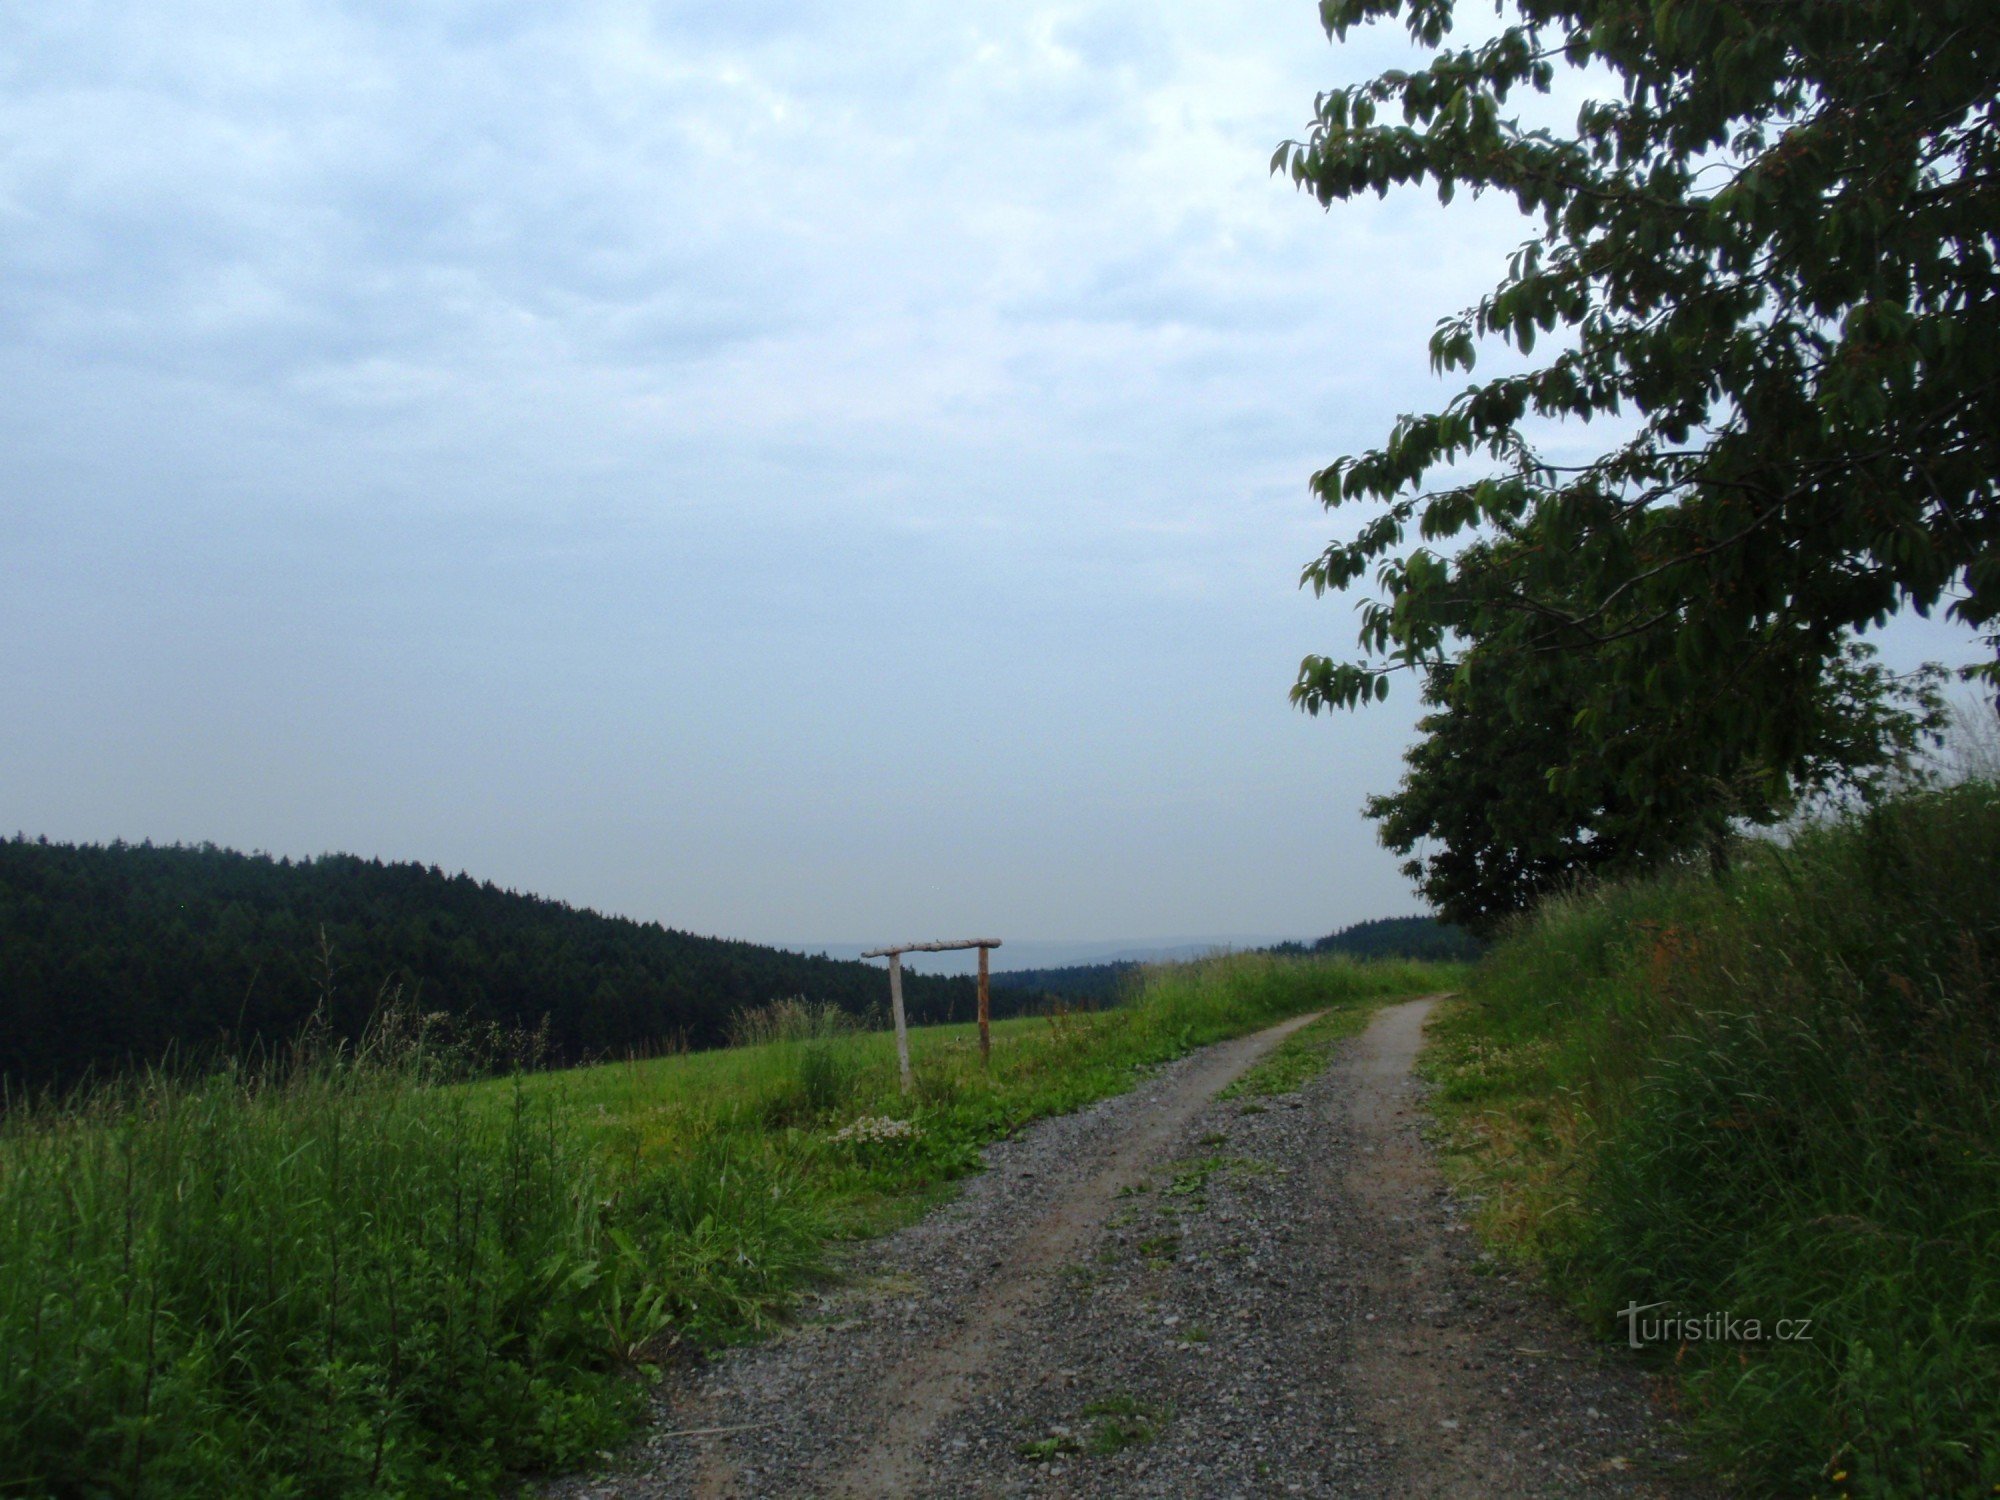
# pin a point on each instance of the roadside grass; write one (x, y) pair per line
(352, 1272)
(1774, 1095)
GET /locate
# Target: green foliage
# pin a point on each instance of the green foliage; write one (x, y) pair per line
(1121, 1422)
(340, 1280)
(800, 1038)
(1505, 802)
(347, 1273)
(796, 1019)
(1767, 252)
(1772, 1094)
(112, 957)
(1112, 1424)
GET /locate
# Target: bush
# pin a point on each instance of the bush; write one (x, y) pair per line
(814, 1076)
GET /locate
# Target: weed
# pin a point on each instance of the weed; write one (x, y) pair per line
(1300, 1058)
(1044, 1450)
(1189, 1186)
(1083, 1276)
(1121, 1422)
(1159, 1249)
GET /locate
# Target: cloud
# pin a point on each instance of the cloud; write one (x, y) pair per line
(610, 445)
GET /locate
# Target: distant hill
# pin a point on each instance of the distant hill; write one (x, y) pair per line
(1385, 937)
(111, 955)
(1043, 955)
(1073, 984)
(1395, 937)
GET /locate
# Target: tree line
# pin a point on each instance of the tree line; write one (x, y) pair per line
(1095, 985)
(1424, 938)
(119, 955)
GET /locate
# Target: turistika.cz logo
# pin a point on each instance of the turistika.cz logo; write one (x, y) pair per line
(1706, 1328)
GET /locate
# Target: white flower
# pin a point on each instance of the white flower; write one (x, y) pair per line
(871, 1128)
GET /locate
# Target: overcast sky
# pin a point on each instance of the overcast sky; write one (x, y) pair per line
(797, 471)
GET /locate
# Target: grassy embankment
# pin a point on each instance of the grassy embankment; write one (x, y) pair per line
(355, 1276)
(1776, 1095)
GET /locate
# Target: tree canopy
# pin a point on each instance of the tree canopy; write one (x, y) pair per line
(1489, 831)
(1768, 257)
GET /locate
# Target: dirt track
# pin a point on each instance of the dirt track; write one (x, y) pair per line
(1167, 1295)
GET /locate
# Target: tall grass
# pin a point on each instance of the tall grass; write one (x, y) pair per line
(803, 1047)
(326, 1276)
(355, 1273)
(1190, 1004)
(1775, 1094)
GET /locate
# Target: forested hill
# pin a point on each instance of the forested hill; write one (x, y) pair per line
(1383, 937)
(1072, 984)
(1396, 937)
(113, 955)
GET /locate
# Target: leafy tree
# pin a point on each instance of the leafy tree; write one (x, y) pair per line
(1503, 802)
(1771, 256)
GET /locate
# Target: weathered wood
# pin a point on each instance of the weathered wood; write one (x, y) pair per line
(896, 1006)
(895, 956)
(931, 947)
(985, 1028)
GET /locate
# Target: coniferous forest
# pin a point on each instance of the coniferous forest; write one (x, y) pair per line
(1398, 937)
(122, 955)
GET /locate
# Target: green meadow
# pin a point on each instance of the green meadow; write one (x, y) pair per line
(363, 1270)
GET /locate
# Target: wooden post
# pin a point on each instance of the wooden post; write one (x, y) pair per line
(896, 1006)
(985, 1031)
(895, 957)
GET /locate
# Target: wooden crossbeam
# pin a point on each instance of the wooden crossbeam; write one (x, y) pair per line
(931, 947)
(895, 957)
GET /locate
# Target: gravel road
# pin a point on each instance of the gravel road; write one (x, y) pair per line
(1171, 1295)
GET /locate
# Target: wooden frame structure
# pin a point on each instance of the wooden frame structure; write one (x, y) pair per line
(894, 954)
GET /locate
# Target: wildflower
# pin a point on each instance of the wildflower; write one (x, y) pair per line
(872, 1128)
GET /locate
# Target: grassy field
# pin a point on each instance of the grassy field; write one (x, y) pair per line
(356, 1274)
(1773, 1096)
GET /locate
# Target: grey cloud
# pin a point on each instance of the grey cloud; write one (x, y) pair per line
(790, 470)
